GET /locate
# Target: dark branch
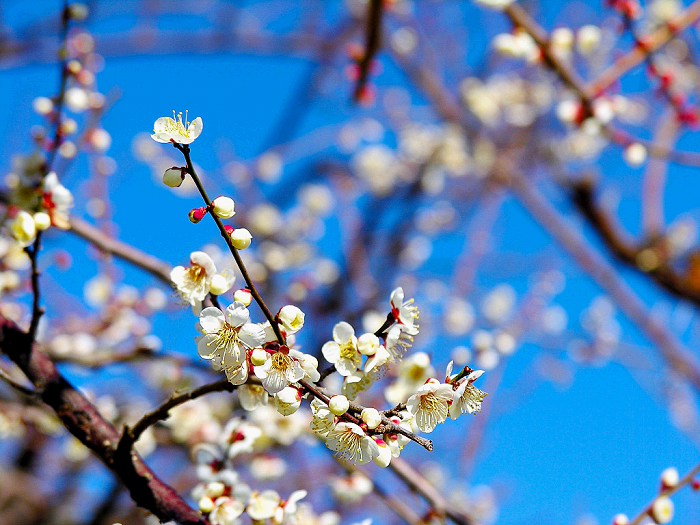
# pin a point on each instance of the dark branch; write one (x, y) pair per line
(82, 419)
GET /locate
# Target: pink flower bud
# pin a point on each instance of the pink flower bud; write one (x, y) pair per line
(197, 214)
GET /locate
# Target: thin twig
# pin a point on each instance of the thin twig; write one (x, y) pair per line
(131, 435)
(373, 38)
(686, 480)
(185, 149)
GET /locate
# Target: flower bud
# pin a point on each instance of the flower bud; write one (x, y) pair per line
(197, 214)
(173, 177)
(621, 519)
(23, 228)
(588, 39)
(635, 154)
(662, 510)
(241, 238)
(205, 504)
(78, 11)
(258, 357)
(42, 221)
(368, 344)
(214, 489)
(288, 400)
(223, 207)
(219, 284)
(292, 318)
(371, 417)
(384, 457)
(338, 405)
(243, 296)
(669, 478)
(43, 106)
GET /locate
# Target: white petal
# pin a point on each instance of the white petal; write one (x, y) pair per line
(195, 128)
(331, 351)
(211, 320)
(237, 315)
(343, 332)
(163, 124)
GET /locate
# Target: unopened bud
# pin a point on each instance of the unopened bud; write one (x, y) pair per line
(223, 207)
(338, 405)
(621, 519)
(173, 177)
(197, 214)
(371, 417)
(243, 296)
(241, 238)
(669, 478)
(384, 457)
(258, 357)
(42, 221)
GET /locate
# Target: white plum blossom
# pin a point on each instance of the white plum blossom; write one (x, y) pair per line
(429, 406)
(350, 443)
(23, 228)
(405, 314)
(288, 400)
(166, 129)
(228, 336)
(279, 371)
(226, 511)
(467, 398)
(292, 318)
(57, 201)
(308, 363)
(238, 437)
(252, 396)
(497, 5)
(262, 505)
(323, 420)
(342, 351)
(194, 282)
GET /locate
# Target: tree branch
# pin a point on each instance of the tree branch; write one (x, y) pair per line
(83, 420)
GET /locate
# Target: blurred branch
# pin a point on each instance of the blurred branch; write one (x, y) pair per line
(373, 41)
(569, 238)
(652, 42)
(649, 259)
(688, 479)
(120, 249)
(84, 421)
(413, 479)
(520, 18)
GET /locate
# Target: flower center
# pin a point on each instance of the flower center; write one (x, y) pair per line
(180, 128)
(347, 351)
(196, 274)
(281, 362)
(429, 402)
(226, 337)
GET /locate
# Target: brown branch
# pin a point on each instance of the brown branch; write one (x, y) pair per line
(413, 479)
(185, 150)
(648, 258)
(131, 435)
(83, 420)
(120, 249)
(652, 43)
(520, 18)
(688, 479)
(569, 238)
(373, 38)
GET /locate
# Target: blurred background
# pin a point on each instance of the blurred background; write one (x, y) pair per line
(540, 204)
